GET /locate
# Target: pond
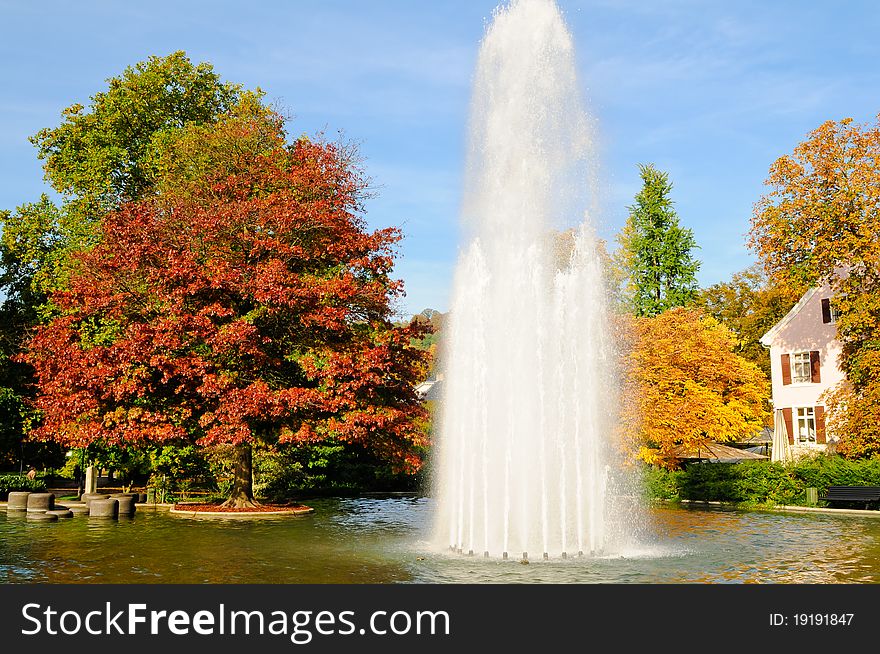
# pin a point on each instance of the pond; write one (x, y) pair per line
(384, 541)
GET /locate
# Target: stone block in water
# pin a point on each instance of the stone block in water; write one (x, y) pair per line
(88, 497)
(104, 508)
(40, 502)
(126, 502)
(17, 501)
(78, 509)
(61, 513)
(42, 516)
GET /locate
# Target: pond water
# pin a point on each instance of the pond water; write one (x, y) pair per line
(384, 540)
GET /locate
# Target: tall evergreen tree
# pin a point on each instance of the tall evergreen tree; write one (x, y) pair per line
(655, 250)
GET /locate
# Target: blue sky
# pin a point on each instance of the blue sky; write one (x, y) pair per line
(711, 92)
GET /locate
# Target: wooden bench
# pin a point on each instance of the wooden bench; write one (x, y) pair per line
(866, 495)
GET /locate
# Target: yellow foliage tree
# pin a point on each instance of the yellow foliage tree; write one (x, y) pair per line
(685, 386)
(822, 212)
(819, 223)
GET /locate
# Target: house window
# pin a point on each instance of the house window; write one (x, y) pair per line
(806, 425)
(801, 372)
(829, 313)
(835, 313)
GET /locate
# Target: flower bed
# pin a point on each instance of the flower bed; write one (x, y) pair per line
(263, 509)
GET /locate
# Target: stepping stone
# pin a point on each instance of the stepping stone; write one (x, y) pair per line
(41, 516)
(41, 502)
(88, 497)
(61, 513)
(17, 501)
(106, 508)
(126, 503)
(78, 509)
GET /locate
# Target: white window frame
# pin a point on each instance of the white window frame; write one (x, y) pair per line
(833, 313)
(805, 424)
(801, 360)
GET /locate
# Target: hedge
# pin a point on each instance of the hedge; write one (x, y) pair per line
(760, 482)
(16, 482)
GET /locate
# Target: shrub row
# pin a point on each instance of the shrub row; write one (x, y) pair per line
(760, 482)
(13, 482)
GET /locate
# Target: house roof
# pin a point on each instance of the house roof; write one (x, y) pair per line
(715, 452)
(768, 338)
(763, 436)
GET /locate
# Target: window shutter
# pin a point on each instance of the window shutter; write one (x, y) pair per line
(820, 423)
(786, 415)
(826, 310)
(786, 369)
(816, 376)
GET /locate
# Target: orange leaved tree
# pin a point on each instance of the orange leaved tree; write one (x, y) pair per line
(820, 223)
(254, 307)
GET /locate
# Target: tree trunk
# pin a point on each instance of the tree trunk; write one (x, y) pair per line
(242, 494)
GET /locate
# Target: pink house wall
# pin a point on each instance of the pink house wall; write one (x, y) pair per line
(802, 330)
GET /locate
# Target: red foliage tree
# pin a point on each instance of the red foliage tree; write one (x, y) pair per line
(259, 310)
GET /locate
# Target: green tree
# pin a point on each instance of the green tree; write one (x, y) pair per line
(105, 155)
(655, 252)
(101, 156)
(26, 246)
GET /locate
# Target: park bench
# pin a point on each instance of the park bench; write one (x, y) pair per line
(866, 495)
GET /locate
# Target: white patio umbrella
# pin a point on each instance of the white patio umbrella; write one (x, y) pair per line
(781, 449)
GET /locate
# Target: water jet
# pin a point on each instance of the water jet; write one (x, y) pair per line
(528, 405)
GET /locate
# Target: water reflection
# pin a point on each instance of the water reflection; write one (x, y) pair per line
(375, 540)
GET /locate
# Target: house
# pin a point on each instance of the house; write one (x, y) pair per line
(804, 357)
(429, 390)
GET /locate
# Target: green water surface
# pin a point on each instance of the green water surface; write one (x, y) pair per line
(388, 540)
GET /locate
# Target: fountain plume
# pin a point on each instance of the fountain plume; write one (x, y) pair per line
(523, 458)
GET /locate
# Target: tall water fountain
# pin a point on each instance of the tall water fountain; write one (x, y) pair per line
(524, 459)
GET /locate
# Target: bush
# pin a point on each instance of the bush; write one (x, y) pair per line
(826, 471)
(662, 484)
(711, 483)
(767, 483)
(760, 483)
(312, 469)
(9, 483)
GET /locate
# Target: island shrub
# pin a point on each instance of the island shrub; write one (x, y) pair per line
(321, 469)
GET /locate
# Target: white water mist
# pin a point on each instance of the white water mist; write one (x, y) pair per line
(523, 462)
